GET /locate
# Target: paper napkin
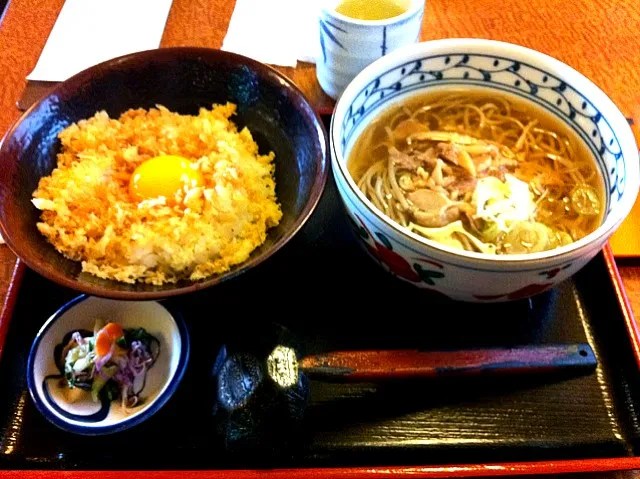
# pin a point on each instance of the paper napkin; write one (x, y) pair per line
(278, 32)
(88, 32)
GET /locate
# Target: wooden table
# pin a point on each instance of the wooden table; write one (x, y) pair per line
(599, 38)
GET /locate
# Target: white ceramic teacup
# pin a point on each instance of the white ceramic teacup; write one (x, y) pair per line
(348, 45)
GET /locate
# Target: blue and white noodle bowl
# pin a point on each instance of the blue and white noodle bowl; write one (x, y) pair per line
(506, 69)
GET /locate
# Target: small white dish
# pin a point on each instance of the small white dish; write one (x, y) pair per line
(85, 416)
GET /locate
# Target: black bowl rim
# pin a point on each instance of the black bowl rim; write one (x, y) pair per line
(266, 72)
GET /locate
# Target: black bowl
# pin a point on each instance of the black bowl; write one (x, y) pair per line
(183, 80)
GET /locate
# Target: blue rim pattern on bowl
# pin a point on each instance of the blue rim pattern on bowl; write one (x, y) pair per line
(155, 407)
(500, 73)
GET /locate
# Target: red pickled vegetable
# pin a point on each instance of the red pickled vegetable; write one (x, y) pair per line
(106, 337)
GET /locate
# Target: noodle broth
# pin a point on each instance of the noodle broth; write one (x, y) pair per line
(480, 171)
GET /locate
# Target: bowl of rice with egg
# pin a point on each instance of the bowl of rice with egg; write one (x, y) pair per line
(160, 173)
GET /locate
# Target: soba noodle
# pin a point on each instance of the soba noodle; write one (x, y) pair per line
(479, 172)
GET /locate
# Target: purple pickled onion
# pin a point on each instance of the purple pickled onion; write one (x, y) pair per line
(137, 366)
(77, 337)
(135, 370)
(139, 358)
(138, 349)
(130, 366)
(120, 361)
(123, 376)
(124, 396)
(102, 360)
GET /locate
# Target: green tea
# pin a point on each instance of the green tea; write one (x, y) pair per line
(371, 9)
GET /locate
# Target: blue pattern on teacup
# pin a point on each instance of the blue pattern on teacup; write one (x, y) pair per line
(327, 29)
(383, 47)
(349, 45)
(505, 74)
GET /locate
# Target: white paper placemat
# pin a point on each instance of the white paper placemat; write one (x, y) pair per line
(88, 32)
(278, 32)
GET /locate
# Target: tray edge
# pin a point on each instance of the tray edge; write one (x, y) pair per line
(625, 305)
(432, 471)
(10, 301)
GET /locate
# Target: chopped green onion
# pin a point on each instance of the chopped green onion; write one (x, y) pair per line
(585, 200)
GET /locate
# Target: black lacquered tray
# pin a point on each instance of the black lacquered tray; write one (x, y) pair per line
(322, 293)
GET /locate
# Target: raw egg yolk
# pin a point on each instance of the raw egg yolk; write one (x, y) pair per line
(163, 176)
